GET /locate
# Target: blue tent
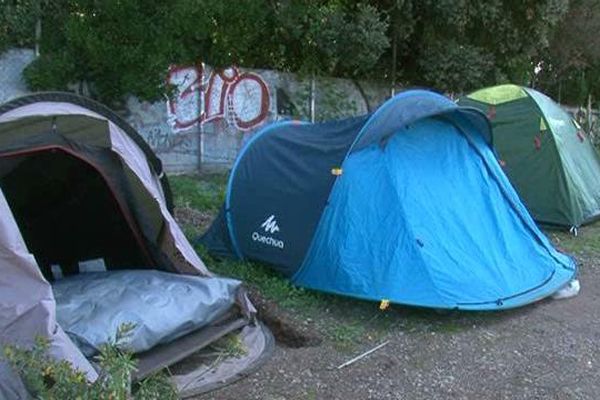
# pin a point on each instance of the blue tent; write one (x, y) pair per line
(408, 204)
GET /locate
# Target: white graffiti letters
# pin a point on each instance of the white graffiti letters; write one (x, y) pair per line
(239, 98)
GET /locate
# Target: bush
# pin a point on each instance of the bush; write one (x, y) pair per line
(49, 379)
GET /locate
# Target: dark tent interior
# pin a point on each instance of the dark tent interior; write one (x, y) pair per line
(66, 212)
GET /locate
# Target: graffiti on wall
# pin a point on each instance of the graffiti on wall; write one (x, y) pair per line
(150, 121)
(241, 99)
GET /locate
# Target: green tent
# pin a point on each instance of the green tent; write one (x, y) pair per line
(545, 153)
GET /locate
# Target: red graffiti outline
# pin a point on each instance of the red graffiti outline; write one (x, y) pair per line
(208, 96)
(188, 91)
(227, 91)
(264, 101)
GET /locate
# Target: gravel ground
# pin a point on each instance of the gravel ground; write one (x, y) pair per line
(549, 350)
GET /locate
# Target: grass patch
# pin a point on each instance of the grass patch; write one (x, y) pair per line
(325, 311)
(230, 346)
(586, 241)
(449, 326)
(203, 192)
(271, 284)
(345, 322)
(345, 336)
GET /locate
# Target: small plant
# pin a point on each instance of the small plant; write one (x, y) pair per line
(49, 379)
(230, 346)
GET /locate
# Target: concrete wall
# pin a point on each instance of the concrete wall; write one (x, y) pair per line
(212, 113)
(12, 64)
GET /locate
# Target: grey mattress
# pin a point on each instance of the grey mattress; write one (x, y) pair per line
(90, 307)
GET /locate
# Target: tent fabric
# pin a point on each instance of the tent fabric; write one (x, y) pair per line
(413, 209)
(499, 94)
(72, 152)
(26, 300)
(86, 304)
(549, 160)
(286, 186)
(21, 104)
(412, 106)
(417, 171)
(11, 385)
(39, 114)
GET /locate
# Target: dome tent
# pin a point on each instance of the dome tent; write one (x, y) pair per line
(77, 183)
(408, 204)
(547, 157)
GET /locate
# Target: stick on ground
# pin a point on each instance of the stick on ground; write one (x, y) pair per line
(363, 355)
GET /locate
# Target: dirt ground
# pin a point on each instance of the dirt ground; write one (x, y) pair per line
(549, 350)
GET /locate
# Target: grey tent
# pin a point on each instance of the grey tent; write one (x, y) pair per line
(77, 183)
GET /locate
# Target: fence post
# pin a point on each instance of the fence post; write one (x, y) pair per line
(38, 35)
(200, 122)
(312, 98)
(589, 113)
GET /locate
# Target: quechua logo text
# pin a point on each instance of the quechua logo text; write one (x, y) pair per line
(270, 227)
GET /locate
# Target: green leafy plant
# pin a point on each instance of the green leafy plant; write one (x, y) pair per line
(17, 22)
(49, 379)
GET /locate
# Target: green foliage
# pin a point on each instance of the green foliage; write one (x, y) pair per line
(17, 23)
(461, 45)
(345, 336)
(120, 47)
(271, 284)
(49, 379)
(230, 346)
(570, 68)
(587, 240)
(330, 37)
(445, 64)
(221, 33)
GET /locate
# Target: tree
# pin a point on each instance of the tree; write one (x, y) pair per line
(118, 46)
(570, 68)
(460, 45)
(125, 47)
(17, 23)
(221, 33)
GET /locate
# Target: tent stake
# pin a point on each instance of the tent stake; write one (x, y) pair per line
(363, 355)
